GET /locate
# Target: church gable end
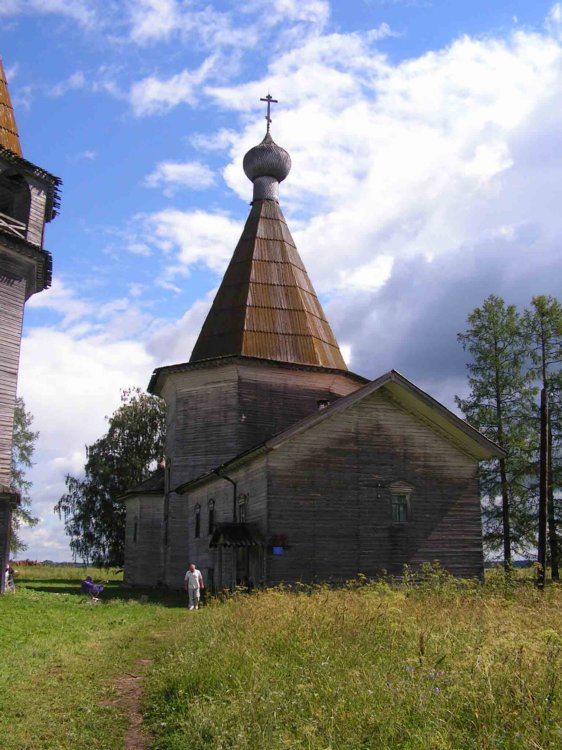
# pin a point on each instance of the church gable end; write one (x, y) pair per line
(370, 489)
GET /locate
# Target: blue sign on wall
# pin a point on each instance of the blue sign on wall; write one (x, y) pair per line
(277, 550)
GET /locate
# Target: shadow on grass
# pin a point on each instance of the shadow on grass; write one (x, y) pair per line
(113, 591)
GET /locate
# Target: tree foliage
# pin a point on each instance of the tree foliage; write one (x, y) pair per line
(92, 507)
(543, 326)
(23, 446)
(501, 398)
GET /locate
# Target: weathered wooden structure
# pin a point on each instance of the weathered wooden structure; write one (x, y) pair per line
(29, 197)
(281, 465)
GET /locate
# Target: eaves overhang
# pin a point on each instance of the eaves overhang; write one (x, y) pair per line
(52, 182)
(156, 380)
(41, 258)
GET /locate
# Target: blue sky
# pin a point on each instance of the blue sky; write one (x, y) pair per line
(426, 148)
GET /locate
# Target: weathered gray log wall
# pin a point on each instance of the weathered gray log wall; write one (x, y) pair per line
(144, 540)
(330, 497)
(217, 412)
(213, 414)
(251, 481)
(12, 297)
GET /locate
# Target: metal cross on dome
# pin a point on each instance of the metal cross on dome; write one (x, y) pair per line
(270, 100)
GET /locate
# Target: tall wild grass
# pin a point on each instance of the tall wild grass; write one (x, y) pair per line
(440, 665)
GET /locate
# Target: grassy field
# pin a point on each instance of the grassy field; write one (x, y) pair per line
(446, 665)
(61, 655)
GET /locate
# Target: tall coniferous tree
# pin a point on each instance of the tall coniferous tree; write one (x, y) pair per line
(501, 395)
(543, 326)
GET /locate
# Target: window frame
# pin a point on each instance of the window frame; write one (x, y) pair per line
(211, 511)
(401, 501)
(242, 508)
(197, 523)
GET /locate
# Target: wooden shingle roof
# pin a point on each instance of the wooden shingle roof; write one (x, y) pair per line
(8, 130)
(266, 306)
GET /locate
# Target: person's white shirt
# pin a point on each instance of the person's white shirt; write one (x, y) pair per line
(194, 579)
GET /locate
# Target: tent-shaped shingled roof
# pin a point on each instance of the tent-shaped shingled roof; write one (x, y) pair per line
(266, 306)
(8, 130)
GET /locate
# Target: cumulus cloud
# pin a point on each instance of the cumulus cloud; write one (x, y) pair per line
(191, 238)
(153, 95)
(171, 175)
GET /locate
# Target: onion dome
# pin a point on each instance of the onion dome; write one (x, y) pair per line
(266, 165)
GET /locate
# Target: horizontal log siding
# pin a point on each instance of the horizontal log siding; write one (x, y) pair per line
(176, 552)
(324, 495)
(251, 481)
(12, 296)
(144, 557)
(215, 414)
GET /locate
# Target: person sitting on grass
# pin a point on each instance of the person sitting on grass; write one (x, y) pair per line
(91, 588)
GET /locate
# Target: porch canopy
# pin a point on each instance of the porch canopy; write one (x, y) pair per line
(235, 535)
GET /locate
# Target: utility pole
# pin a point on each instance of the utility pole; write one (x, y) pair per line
(543, 489)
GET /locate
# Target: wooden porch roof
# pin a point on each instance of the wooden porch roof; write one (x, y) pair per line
(235, 535)
(266, 306)
(9, 137)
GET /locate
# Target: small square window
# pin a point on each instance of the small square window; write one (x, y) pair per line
(400, 508)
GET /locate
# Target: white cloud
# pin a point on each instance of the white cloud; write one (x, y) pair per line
(190, 238)
(69, 383)
(86, 155)
(81, 11)
(75, 81)
(153, 95)
(173, 174)
(152, 20)
(173, 342)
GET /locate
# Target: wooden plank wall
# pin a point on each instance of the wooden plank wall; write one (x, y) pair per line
(216, 413)
(12, 296)
(36, 223)
(329, 494)
(144, 558)
(251, 481)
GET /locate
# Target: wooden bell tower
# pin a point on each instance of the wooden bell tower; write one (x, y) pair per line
(29, 198)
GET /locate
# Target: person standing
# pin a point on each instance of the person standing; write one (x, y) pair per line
(10, 580)
(193, 585)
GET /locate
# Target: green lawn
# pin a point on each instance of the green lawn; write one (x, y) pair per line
(442, 666)
(60, 656)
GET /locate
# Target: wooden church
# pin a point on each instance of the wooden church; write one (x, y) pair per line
(282, 465)
(29, 198)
